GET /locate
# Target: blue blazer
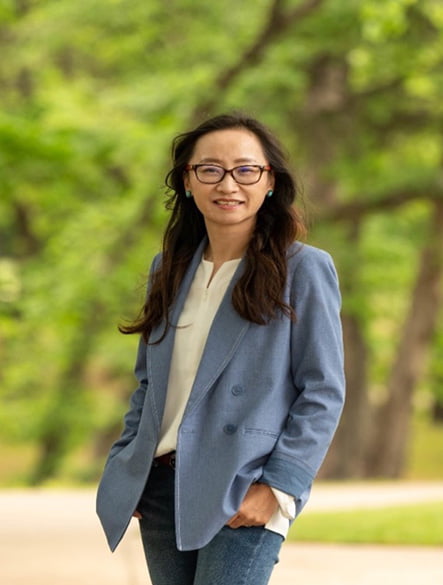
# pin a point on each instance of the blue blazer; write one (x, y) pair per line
(264, 406)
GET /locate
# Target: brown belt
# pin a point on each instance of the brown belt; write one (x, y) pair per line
(166, 460)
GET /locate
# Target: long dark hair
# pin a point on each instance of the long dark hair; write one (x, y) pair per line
(258, 294)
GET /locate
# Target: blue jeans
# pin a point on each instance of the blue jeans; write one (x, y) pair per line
(244, 556)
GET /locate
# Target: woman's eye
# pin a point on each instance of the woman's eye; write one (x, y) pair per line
(246, 170)
(210, 170)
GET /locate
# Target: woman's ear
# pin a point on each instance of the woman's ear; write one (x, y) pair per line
(186, 181)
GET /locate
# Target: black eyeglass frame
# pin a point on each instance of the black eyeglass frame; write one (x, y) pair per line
(195, 168)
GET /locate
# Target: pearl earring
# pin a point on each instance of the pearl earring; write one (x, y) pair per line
(188, 194)
(270, 193)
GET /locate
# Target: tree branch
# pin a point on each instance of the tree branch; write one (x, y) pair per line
(30, 243)
(276, 25)
(356, 210)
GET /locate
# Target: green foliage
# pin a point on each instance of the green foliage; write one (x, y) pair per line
(92, 93)
(418, 524)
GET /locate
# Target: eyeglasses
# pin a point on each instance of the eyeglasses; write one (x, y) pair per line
(243, 174)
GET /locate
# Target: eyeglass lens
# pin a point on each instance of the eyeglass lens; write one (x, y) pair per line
(245, 174)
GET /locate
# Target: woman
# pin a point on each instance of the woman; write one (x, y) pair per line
(239, 368)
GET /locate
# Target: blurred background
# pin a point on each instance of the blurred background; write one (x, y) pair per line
(91, 94)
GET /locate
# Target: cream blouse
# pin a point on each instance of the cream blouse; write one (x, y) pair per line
(203, 300)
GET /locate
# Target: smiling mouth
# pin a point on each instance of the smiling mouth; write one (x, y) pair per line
(228, 202)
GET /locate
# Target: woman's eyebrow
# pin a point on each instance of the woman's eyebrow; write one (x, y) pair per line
(218, 161)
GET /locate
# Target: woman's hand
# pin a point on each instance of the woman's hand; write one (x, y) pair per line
(257, 507)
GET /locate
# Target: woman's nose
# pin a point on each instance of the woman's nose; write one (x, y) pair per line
(228, 183)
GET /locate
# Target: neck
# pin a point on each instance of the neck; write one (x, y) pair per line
(226, 245)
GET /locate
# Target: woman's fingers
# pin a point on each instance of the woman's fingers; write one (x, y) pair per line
(257, 507)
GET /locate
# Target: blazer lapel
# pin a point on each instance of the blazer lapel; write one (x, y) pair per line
(160, 354)
(225, 334)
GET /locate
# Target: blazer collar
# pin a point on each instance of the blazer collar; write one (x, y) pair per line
(160, 354)
(225, 334)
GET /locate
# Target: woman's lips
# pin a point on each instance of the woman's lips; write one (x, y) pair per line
(228, 202)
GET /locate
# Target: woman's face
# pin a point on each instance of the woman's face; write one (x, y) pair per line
(228, 203)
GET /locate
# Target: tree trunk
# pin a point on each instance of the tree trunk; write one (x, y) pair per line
(437, 412)
(57, 424)
(388, 453)
(346, 456)
(324, 117)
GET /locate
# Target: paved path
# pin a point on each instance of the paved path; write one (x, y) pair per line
(52, 537)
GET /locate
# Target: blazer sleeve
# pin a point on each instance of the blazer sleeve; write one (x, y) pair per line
(317, 372)
(133, 415)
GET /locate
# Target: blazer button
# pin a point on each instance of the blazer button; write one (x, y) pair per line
(230, 429)
(237, 390)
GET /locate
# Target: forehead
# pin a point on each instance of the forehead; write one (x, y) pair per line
(230, 144)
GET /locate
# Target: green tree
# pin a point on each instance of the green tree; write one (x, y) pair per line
(92, 93)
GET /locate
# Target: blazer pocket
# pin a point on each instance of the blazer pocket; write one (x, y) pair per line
(260, 432)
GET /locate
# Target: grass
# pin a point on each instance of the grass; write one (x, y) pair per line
(417, 524)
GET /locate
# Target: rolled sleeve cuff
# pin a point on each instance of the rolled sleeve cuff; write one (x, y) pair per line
(286, 475)
(286, 503)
